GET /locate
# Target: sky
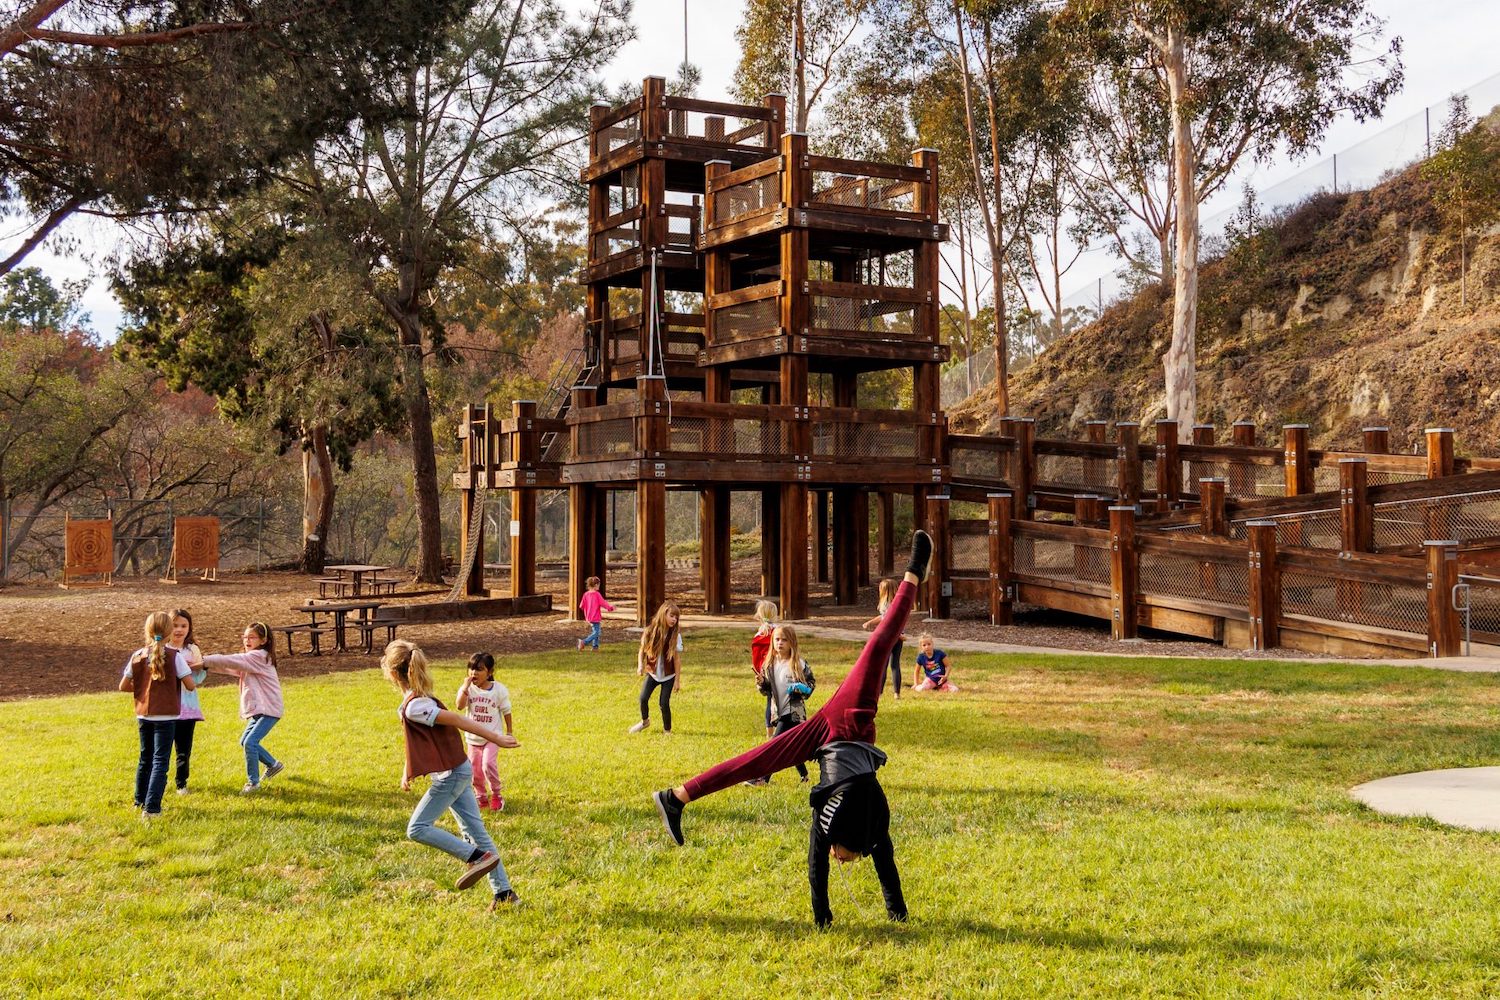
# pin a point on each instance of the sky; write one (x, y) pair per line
(1448, 45)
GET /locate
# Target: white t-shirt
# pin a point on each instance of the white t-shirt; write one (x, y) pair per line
(660, 673)
(183, 670)
(487, 708)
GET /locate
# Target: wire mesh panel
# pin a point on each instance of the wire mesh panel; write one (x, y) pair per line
(875, 316)
(622, 133)
(1172, 574)
(747, 320)
(968, 552)
(747, 198)
(602, 438)
(1484, 608)
(728, 438)
(728, 130)
(559, 448)
(1375, 478)
(1061, 560)
(1241, 481)
(1465, 517)
(877, 194)
(872, 442)
(1402, 607)
(977, 463)
(619, 239)
(1313, 529)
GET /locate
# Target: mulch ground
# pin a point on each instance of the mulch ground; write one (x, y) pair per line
(55, 641)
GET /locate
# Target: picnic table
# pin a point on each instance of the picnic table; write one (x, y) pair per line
(365, 622)
(349, 579)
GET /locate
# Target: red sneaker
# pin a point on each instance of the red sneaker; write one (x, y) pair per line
(497, 803)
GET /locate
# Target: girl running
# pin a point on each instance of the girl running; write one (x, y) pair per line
(192, 712)
(433, 747)
(660, 663)
(850, 815)
(260, 699)
(155, 674)
(486, 701)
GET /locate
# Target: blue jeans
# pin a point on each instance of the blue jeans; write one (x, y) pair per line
(256, 728)
(151, 769)
(596, 629)
(455, 790)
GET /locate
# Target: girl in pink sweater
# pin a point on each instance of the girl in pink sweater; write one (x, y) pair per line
(593, 607)
(260, 699)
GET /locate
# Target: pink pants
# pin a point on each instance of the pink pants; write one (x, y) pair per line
(486, 768)
(848, 715)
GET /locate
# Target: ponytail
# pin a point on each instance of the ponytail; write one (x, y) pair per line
(158, 626)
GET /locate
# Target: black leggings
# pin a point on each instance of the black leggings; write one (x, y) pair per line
(895, 667)
(665, 700)
(790, 721)
(182, 739)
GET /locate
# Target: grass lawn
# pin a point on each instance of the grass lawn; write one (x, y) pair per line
(1065, 827)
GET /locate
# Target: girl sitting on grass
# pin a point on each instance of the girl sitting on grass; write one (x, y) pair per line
(433, 747)
(156, 674)
(932, 666)
(260, 699)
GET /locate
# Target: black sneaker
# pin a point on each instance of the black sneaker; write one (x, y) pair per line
(506, 898)
(671, 814)
(921, 555)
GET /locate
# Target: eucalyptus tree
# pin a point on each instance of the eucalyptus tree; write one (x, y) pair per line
(1233, 79)
(456, 153)
(803, 48)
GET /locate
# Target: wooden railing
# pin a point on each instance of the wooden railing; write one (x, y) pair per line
(657, 117)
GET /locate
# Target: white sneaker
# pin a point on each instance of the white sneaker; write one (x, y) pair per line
(640, 725)
(182, 791)
(580, 645)
(250, 788)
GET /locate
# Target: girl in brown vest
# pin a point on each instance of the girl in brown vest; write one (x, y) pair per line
(433, 747)
(156, 674)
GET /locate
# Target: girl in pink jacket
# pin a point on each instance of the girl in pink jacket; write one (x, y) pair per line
(260, 699)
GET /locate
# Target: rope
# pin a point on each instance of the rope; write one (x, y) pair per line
(471, 549)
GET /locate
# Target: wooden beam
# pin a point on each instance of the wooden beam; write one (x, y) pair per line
(939, 593)
(794, 551)
(1123, 582)
(650, 548)
(522, 543)
(1265, 586)
(713, 560)
(1443, 635)
(1168, 467)
(1002, 589)
(845, 523)
(1128, 459)
(886, 562)
(1297, 463)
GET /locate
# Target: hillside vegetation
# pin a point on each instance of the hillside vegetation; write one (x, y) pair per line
(1340, 313)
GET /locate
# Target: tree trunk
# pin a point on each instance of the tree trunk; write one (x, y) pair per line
(1180, 362)
(799, 58)
(317, 498)
(423, 452)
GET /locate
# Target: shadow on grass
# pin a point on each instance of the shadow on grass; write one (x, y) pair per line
(942, 932)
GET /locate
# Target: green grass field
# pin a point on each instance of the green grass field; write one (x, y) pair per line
(1065, 827)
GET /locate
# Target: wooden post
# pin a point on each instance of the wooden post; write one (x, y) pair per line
(522, 543)
(862, 538)
(1437, 521)
(1096, 470)
(1211, 516)
(1242, 475)
(1203, 434)
(887, 554)
(1356, 517)
(845, 542)
(777, 123)
(1002, 590)
(820, 534)
(713, 557)
(1024, 430)
(1296, 460)
(651, 499)
(1439, 452)
(1122, 571)
(1265, 586)
(1168, 467)
(1443, 633)
(585, 516)
(474, 582)
(1128, 463)
(1377, 440)
(770, 543)
(939, 582)
(794, 551)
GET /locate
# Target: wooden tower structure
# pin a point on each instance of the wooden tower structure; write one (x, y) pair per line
(730, 274)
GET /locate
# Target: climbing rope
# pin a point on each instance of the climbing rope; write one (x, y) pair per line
(471, 548)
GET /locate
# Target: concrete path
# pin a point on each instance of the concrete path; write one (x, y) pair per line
(1462, 796)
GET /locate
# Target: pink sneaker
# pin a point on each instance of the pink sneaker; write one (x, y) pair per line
(497, 803)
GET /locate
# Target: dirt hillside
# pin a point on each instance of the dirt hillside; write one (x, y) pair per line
(1345, 312)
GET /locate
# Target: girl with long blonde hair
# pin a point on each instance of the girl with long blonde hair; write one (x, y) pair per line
(156, 674)
(659, 662)
(433, 747)
(788, 681)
